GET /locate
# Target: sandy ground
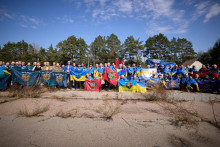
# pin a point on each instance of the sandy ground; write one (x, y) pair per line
(136, 122)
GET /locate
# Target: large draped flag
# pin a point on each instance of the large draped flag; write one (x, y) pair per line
(93, 85)
(148, 72)
(45, 76)
(173, 84)
(201, 74)
(127, 86)
(153, 83)
(111, 76)
(57, 79)
(141, 87)
(78, 75)
(4, 79)
(208, 85)
(25, 77)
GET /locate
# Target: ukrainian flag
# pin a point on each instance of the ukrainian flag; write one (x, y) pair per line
(127, 86)
(78, 75)
(141, 87)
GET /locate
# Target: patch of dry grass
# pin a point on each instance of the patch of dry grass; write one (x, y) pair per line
(36, 112)
(109, 109)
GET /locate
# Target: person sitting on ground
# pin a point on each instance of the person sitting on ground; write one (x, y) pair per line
(153, 77)
(37, 67)
(197, 78)
(122, 77)
(164, 81)
(192, 85)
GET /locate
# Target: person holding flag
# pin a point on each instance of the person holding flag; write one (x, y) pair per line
(129, 72)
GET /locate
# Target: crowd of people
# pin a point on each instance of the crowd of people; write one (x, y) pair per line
(186, 76)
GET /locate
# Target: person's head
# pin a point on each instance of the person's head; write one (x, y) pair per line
(100, 74)
(134, 77)
(159, 76)
(48, 64)
(207, 65)
(190, 77)
(57, 64)
(79, 65)
(19, 62)
(138, 75)
(74, 64)
(54, 63)
(106, 64)
(129, 65)
(153, 75)
(182, 66)
(187, 65)
(120, 65)
(90, 65)
(165, 76)
(193, 66)
(148, 66)
(82, 64)
(23, 63)
(109, 64)
(122, 76)
(13, 63)
(38, 63)
(186, 75)
(124, 67)
(165, 66)
(7, 64)
(29, 63)
(1, 63)
(176, 66)
(155, 65)
(97, 65)
(45, 63)
(114, 66)
(140, 65)
(133, 65)
(16, 63)
(215, 66)
(35, 63)
(87, 75)
(207, 77)
(203, 66)
(100, 65)
(94, 76)
(171, 66)
(197, 76)
(68, 63)
(63, 66)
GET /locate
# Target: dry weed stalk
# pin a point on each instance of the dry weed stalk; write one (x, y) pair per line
(37, 111)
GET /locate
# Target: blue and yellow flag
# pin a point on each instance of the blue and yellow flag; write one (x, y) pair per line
(127, 86)
(141, 87)
(78, 75)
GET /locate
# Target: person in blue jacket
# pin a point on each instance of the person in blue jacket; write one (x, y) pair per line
(184, 80)
(129, 72)
(90, 70)
(2, 67)
(67, 70)
(192, 85)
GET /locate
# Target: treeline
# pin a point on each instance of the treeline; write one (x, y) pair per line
(212, 56)
(102, 49)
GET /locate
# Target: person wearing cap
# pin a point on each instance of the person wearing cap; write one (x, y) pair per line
(129, 72)
(208, 66)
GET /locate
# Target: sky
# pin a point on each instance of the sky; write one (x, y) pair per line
(43, 22)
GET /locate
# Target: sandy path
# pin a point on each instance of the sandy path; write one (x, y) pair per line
(88, 132)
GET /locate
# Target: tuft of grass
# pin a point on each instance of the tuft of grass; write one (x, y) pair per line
(157, 94)
(62, 99)
(36, 112)
(4, 101)
(109, 110)
(64, 115)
